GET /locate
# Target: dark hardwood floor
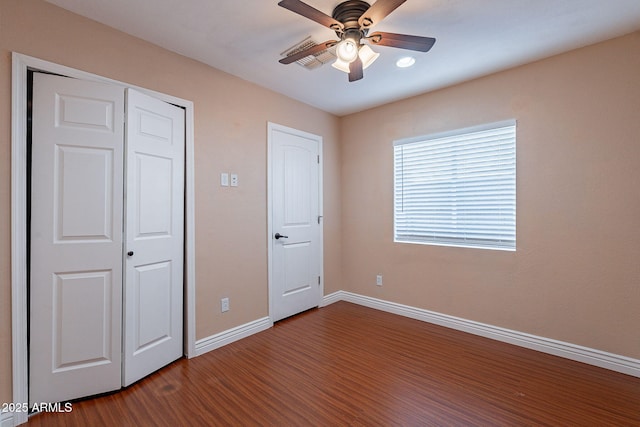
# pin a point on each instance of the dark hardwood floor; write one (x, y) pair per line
(346, 365)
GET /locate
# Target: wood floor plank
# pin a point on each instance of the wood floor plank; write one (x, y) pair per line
(347, 365)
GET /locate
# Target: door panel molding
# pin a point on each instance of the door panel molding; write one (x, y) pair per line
(91, 218)
(21, 64)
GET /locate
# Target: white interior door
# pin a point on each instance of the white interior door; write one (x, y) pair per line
(154, 235)
(76, 238)
(295, 221)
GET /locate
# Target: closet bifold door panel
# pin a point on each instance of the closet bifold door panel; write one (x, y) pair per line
(154, 217)
(106, 237)
(76, 238)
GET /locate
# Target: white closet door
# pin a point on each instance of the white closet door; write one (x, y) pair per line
(76, 239)
(154, 235)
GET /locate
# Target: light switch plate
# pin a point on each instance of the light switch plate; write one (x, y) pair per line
(224, 179)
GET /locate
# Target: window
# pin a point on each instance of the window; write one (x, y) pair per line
(457, 188)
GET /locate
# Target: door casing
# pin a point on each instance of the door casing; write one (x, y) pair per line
(270, 127)
(21, 64)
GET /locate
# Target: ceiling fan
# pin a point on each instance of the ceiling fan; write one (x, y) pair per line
(352, 20)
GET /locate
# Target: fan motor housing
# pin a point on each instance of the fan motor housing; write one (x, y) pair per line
(348, 12)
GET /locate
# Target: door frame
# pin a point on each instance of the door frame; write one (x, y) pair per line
(21, 64)
(270, 128)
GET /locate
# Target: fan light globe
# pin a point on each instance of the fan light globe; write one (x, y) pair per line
(367, 56)
(347, 51)
(341, 65)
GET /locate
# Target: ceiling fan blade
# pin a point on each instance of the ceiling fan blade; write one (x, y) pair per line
(307, 11)
(355, 70)
(310, 51)
(378, 11)
(402, 41)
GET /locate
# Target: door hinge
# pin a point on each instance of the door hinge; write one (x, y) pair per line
(318, 280)
(318, 158)
(319, 218)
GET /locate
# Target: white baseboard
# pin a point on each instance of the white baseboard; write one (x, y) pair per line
(227, 337)
(331, 298)
(614, 362)
(6, 419)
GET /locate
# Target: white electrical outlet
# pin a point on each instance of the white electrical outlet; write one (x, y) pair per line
(224, 304)
(234, 179)
(379, 280)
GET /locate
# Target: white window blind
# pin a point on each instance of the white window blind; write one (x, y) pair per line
(457, 188)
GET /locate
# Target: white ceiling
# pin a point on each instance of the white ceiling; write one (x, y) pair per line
(474, 38)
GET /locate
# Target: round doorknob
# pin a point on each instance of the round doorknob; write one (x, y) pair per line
(130, 253)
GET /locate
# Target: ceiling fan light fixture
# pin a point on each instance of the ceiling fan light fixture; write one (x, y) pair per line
(347, 50)
(367, 56)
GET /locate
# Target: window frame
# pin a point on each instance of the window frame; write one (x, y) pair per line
(504, 246)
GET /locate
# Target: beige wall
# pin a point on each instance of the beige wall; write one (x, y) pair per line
(575, 276)
(230, 135)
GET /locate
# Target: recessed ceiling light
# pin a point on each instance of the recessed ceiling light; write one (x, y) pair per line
(405, 62)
